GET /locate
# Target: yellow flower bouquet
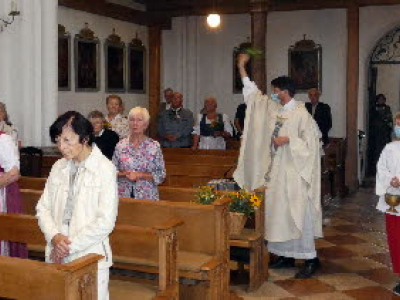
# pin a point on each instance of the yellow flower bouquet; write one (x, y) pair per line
(242, 201)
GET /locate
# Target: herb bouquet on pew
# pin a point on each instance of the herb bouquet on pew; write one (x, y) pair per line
(242, 206)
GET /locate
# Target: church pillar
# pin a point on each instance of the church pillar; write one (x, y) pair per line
(258, 11)
(353, 31)
(154, 76)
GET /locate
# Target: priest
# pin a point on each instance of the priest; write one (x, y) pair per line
(280, 152)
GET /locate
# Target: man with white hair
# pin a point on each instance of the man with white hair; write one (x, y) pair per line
(175, 125)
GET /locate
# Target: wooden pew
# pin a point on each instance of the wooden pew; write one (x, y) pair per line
(127, 242)
(75, 280)
(204, 246)
(185, 167)
(252, 238)
(32, 183)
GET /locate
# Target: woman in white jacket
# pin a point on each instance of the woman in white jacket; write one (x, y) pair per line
(78, 208)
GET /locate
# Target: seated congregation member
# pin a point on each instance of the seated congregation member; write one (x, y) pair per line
(10, 198)
(175, 125)
(388, 181)
(117, 122)
(168, 94)
(139, 160)
(211, 128)
(104, 138)
(6, 126)
(78, 207)
(321, 113)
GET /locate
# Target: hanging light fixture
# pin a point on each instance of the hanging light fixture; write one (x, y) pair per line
(213, 19)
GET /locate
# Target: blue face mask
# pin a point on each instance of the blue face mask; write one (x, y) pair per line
(397, 131)
(274, 97)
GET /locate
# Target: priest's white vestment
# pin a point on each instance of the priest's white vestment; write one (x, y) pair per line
(293, 202)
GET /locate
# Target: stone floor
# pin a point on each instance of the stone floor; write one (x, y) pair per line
(354, 256)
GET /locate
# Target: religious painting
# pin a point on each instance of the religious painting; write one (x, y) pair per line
(87, 63)
(305, 65)
(136, 67)
(64, 58)
(114, 57)
(237, 80)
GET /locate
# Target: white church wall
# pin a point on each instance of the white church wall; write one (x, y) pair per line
(324, 27)
(198, 61)
(85, 102)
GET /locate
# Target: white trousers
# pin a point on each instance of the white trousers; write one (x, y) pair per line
(103, 277)
(302, 248)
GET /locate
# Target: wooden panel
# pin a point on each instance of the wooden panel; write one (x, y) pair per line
(195, 218)
(353, 33)
(155, 75)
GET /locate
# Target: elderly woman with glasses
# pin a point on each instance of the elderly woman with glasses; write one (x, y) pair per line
(78, 207)
(139, 160)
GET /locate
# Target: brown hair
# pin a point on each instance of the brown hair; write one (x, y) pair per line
(96, 115)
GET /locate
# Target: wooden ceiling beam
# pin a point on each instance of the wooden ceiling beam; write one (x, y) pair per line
(118, 12)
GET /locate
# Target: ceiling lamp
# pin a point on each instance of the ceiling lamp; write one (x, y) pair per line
(213, 20)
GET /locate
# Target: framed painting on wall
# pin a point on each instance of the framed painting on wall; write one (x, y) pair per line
(87, 62)
(305, 65)
(136, 67)
(64, 59)
(114, 57)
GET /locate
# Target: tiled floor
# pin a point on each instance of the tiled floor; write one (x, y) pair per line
(354, 256)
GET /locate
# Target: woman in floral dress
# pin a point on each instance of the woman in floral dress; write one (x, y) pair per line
(139, 160)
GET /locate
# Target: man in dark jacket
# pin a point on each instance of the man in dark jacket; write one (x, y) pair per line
(321, 113)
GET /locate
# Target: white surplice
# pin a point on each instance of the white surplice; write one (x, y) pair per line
(387, 168)
(293, 205)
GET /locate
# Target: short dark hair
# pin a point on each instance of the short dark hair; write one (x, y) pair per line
(377, 97)
(285, 83)
(79, 124)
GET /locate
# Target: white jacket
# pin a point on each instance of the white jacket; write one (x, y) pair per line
(95, 207)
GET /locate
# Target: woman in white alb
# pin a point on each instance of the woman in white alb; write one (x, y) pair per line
(212, 128)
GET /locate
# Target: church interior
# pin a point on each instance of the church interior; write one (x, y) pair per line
(59, 56)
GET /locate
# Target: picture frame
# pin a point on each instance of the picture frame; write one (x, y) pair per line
(137, 58)
(305, 65)
(87, 62)
(64, 59)
(237, 79)
(115, 65)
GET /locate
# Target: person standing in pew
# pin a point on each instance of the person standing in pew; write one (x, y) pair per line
(280, 152)
(212, 128)
(10, 197)
(78, 208)
(139, 160)
(175, 125)
(104, 138)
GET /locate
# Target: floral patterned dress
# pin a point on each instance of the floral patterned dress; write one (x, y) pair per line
(147, 157)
